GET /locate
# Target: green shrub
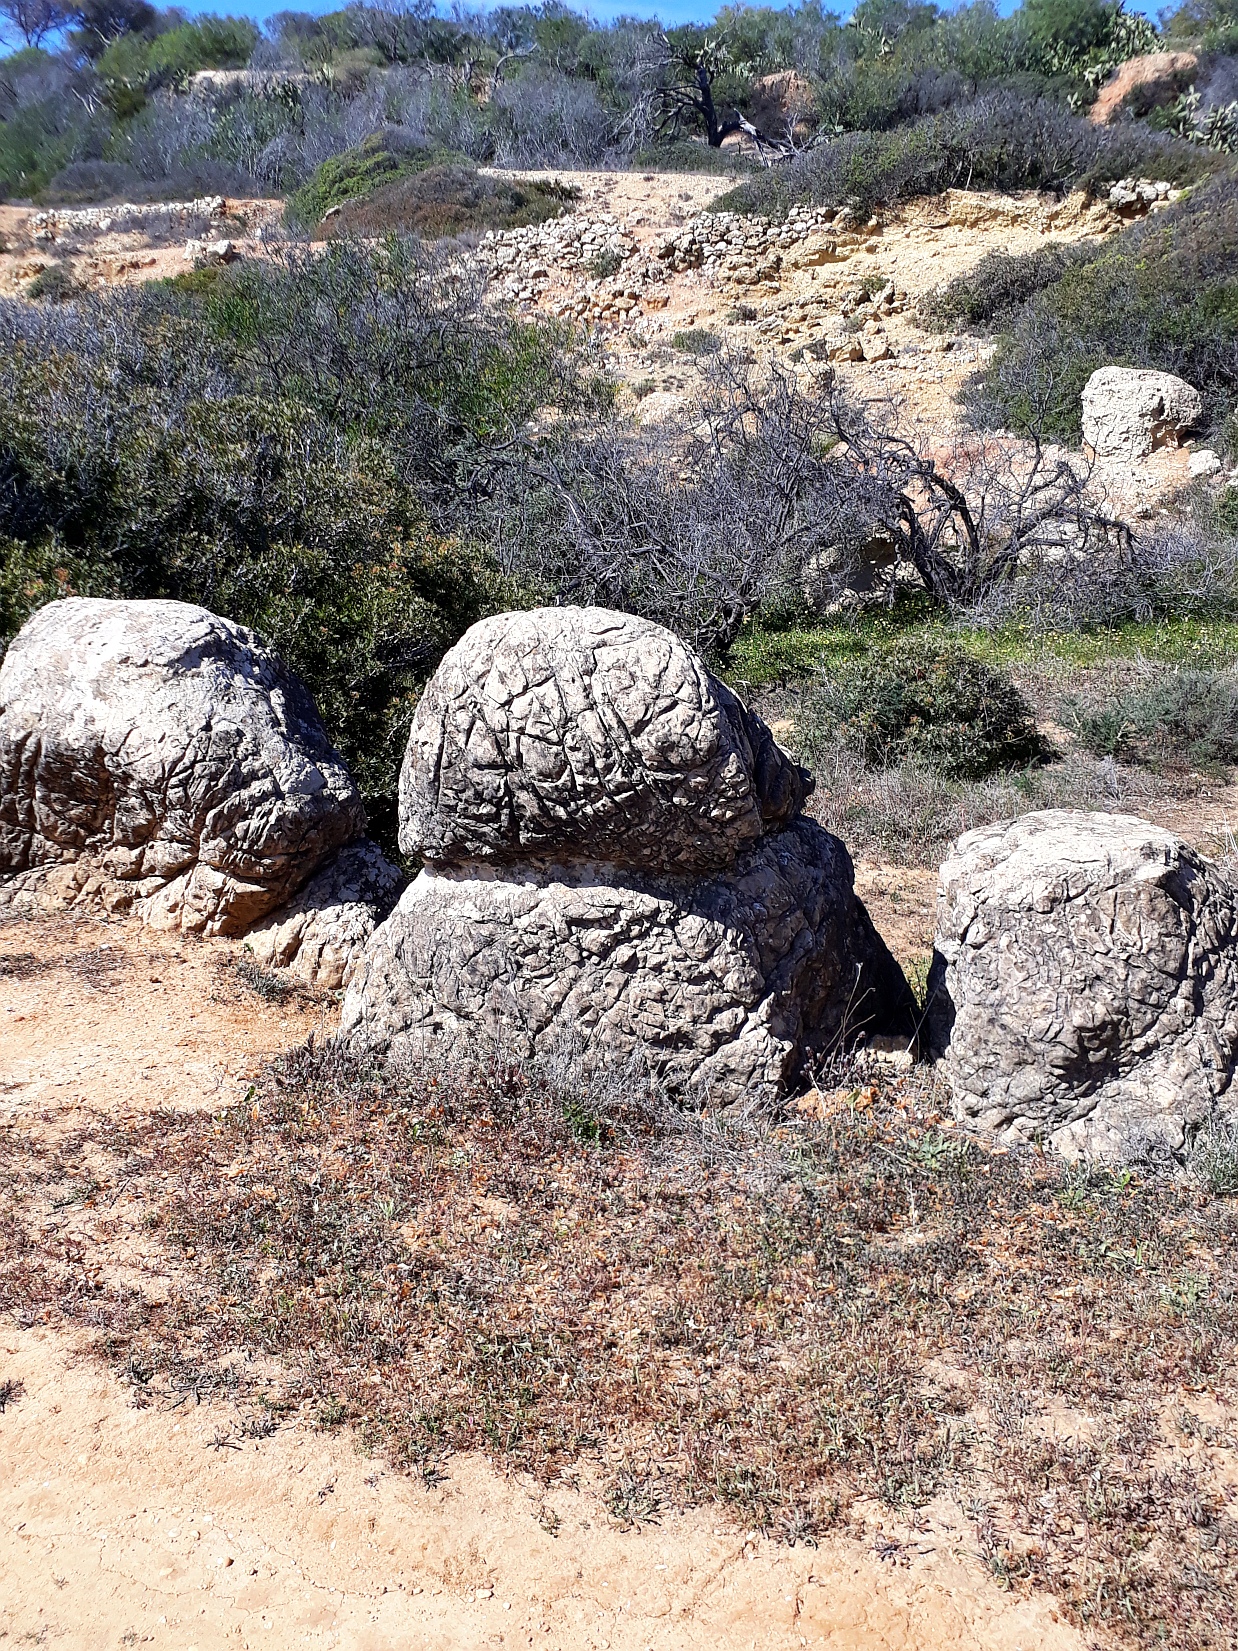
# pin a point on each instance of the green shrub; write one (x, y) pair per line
(1187, 715)
(281, 444)
(384, 158)
(997, 141)
(1163, 294)
(696, 341)
(53, 285)
(929, 704)
(998, 284)
(452, 199)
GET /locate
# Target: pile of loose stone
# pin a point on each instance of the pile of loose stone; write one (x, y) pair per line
(47, 226)
(625, 283)
(1149, 194)
(752, 248)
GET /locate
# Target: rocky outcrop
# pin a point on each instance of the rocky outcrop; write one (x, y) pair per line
(159, 759)
(615, 855)
(1129, 411)
(1157, 75)
(1085, 982)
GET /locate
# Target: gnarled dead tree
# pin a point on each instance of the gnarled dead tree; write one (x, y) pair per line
(774, 476)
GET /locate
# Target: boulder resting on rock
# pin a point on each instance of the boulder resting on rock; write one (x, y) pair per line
(1129, 411)
(1084, 986)
(163, 760)
(592, 734)
(615, 858)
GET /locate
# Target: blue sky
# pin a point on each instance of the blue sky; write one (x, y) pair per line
(670, 11)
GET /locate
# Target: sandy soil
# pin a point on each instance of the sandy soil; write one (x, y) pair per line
(126, 1527)
(122, 1525)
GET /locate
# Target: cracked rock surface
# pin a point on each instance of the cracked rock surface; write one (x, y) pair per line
(615, 858)
(1085, 982)
(322, 930)
(591, 734)
(163, 760)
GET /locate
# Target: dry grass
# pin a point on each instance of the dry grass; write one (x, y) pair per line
(809, 1319)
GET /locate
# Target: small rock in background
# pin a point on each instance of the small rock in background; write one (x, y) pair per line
(211, 252)
(1203, 462)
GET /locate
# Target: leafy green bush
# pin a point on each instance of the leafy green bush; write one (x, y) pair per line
(929, 704)
(998, 284)
(1163, 294)
(53, 285)
(382, 159)
(452, 199)
(1191, 715)
(696, 341)
(282, 443)
(998, 141)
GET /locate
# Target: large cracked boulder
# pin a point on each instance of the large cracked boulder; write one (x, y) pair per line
(615, 858)
(162, 760)
(580, 732)
(1129, 411)
(1085, 982)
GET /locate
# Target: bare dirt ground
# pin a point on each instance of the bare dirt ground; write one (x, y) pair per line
(171, 1526)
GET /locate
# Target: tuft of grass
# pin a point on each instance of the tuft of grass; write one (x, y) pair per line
(604, 264)
(1171, 717)
(1213, 1160)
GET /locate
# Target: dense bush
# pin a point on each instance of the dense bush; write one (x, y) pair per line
(1164, 294)
(998, 284)
(284, 443)
(928, 704)
(999, 141)
(383, 158)
(1185, 715)
(452, 199)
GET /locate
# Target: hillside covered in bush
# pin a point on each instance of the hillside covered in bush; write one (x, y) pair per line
(114, 97)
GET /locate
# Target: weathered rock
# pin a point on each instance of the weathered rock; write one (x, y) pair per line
(1157, 73)
(1085, 982)
(579, 733)
(729, 983)
(321, 932)
(160, 759)
(1127, 411)
(615, 862)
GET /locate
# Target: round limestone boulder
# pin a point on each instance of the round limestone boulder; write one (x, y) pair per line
(1129, 411)
(729, 984)
(164, 760)
(1084, 988)
(583, 734)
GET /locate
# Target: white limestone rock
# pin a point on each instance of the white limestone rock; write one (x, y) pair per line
(1129, 411)
(1085, 982)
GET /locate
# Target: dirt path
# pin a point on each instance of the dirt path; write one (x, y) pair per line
(121, 1526)
(174, 1527)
